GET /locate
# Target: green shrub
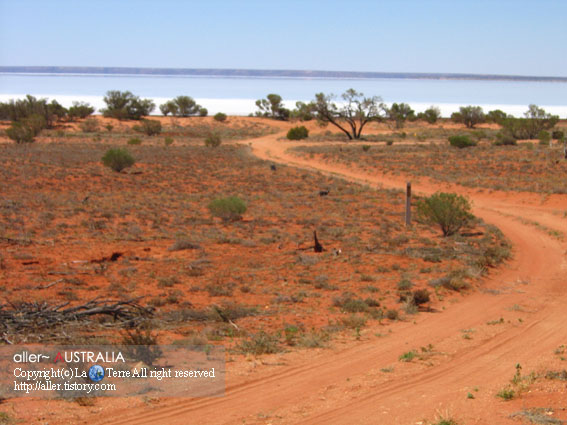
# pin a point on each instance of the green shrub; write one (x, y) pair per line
(168, 141)
(365, 148)
(80, 110)
(505, 139)
(461, 141)
(448, 210)
(408, 356)
(118, 159)
(536, 120)
(21, 132)
(496, 116)
(430, 115)
(229, 209)
(298, 133)
(557, 135)
(126, 106)
(399, 113)
(506, 394)
(213, 141)
(149, 127)
(469, 116)
(134, 141)
(203, 112)
(220, 117)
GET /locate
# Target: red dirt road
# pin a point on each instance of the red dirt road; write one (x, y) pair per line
(363, 382)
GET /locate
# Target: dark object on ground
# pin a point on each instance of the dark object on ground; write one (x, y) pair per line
(273, 167)
(469, 234)
(318, 247)
(115, 256)
(323, 192)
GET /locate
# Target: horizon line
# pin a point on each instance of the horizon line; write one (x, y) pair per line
(243, 72)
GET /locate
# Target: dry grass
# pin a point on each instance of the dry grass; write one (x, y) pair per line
(527, 167)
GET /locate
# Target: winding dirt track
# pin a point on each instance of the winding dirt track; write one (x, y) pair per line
(346, 384)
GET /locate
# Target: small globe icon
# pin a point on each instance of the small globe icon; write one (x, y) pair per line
(96, 373)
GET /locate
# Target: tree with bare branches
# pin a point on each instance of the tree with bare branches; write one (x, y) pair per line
(352, 114)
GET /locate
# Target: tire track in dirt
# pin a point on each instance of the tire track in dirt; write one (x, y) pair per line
(317, 390)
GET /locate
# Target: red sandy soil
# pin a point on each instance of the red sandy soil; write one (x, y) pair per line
(352, 382)
(346, 385)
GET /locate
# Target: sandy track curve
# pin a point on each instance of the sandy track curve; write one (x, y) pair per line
(345, 385)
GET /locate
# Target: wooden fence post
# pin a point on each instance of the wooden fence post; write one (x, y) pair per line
(408, 204)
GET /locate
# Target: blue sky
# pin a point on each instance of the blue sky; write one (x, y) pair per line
(481, 36)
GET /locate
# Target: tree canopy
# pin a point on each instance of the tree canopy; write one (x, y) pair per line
(182, 106)
(272, 107)
(126, 106)
(352, 114)
(469, 116)
(399, 113)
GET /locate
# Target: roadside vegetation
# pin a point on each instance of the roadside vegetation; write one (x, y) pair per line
(524, 167)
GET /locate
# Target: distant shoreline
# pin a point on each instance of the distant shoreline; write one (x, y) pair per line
(256, 73)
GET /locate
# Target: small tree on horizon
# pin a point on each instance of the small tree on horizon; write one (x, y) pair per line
(126, 106)
(399, 113)
(430, 115)
(272, 107)
(352, 114)
(469, 116)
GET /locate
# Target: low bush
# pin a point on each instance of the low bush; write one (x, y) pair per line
(353, 321)
(461, 142)
(118, 159)
(448, 210)
(220, 117)
(168, 141)
(148, 127)
(260, 343)
(80, 110)
(557, 135)
(298, 133)
(430, 115)
(408, 356)
(405, 284)
(505, 139)
(420, 296)
(134, 141)
(229, 209)
(213, 141)
(21, 132)
(392, 314)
